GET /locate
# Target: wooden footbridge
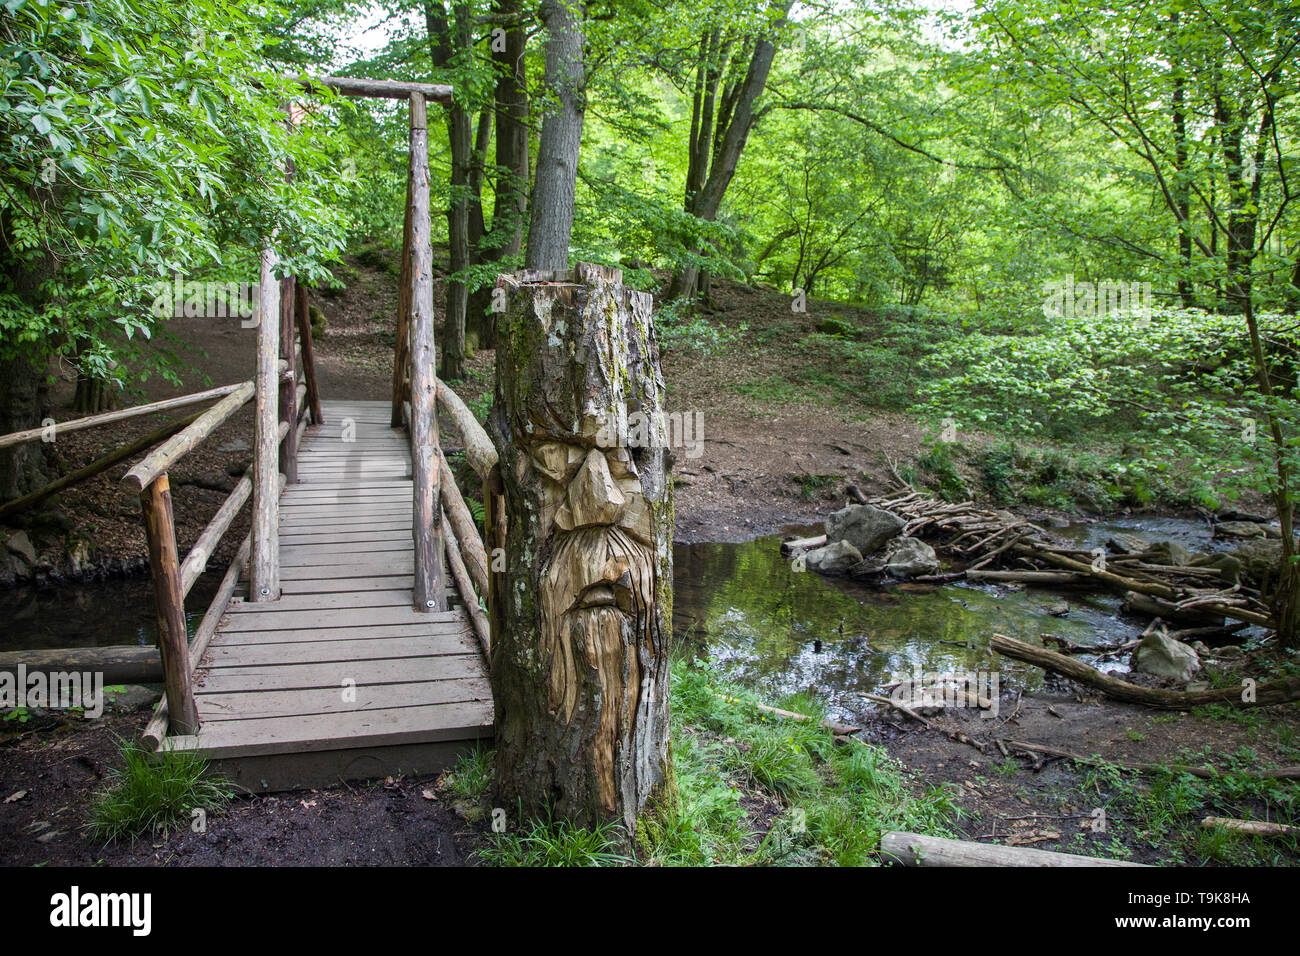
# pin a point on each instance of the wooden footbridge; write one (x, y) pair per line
(348, 639)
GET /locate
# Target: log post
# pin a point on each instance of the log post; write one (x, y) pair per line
(302, 313)
(264, 565)
(302, 310)
(401, 343)
(173, 637)
(583, 610)
(426, 527)
(288, 397)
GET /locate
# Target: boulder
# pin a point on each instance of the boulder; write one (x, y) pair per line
(20, 544)
(1260, 559)
(833, 558)
(1239, 529)
(1122, 543)
(1163, 656)
(909, 558)
(1229, 568)
(866, 527)
(1175, 553)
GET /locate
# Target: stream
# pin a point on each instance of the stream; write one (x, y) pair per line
(741, 605)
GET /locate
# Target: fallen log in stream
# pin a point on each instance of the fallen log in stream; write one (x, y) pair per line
(1260, 695)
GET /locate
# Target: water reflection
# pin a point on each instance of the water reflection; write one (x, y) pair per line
(771, 627)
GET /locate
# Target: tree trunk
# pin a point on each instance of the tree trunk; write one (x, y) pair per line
(550, 225)
(24, 385)
(444, 40)
(24, 399)
(582, 614)
(1182, 185)
(716, 144)
(511, 204)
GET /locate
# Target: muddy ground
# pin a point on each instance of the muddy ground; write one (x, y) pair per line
(763, 466)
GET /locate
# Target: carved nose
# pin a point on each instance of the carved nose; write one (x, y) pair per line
(594, 498)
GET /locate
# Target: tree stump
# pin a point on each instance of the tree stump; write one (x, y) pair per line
(582, 612)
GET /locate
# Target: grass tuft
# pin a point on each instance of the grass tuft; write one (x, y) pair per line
(154, 793)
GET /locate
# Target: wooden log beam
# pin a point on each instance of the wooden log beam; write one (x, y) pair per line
(915, 849)
(302, 314)
(1041, 578)
(1122, 584)
(426, 530)
(479, 620)
(156, 729)
(402, 339)
(173, 638)
(264, 569)
(382, 89)
(288, 397)
(479, 450)
(467, 533)
(1261, 695)
(178, 446)
(119, 664)
(1262, 828)
(107, 418)
(95, 467)
(196, 561)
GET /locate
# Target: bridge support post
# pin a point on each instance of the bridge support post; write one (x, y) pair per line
(264, 564)
(582, 613)
(288, 397)
(173, 635)
(427, 527)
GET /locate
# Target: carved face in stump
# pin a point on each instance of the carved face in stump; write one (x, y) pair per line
(601, 566)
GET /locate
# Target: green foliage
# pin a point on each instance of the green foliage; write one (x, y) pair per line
(547, 841)
(470, 776)
(154, 793)
(677, 329)
(137, 140)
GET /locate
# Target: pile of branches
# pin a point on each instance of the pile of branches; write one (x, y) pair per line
(998, 546)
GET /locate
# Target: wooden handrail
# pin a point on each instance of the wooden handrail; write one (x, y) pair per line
(156, 729)
(95, 467)
(178, 446)
(479, 450)
(382, 89)
(107, 418)
(482, 629)
(471, 542)
(196, 561)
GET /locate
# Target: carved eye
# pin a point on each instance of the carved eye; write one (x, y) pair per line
(557, 461)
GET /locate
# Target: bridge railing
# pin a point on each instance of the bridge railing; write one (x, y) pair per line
(172, 578)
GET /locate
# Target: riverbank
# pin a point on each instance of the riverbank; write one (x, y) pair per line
(781, 440)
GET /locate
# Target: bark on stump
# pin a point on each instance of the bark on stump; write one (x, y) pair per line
(582, 613)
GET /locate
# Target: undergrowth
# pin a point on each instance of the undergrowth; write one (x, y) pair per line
(154, 794)
(751, 788)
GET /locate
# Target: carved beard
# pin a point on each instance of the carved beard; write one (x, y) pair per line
(601, 583)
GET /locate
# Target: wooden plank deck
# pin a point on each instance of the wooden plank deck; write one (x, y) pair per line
(341, 678)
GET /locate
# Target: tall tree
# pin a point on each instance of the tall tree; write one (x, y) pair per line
(550, 223)
(722, 115)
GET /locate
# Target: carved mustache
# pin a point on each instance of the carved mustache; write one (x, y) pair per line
(600, 567)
